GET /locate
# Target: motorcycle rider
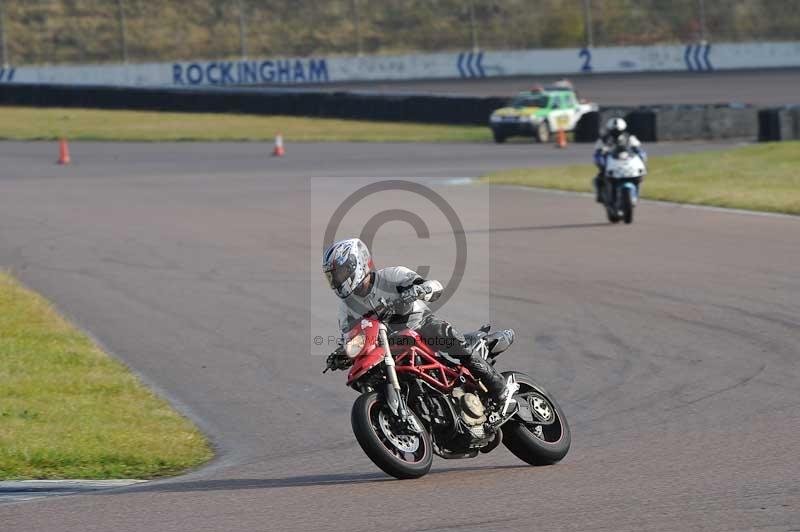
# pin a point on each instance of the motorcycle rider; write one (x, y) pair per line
(351, 274)
(616, 134)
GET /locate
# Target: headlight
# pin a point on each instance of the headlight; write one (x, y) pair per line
(494, 119)
(354, 345)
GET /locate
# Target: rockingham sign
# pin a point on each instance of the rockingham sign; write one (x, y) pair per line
(290, 71)
(692, 57)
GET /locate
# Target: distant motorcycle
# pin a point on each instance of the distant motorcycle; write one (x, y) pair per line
(624, 170)
(415, 402)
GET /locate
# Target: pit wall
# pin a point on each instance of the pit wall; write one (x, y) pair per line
(693, 57)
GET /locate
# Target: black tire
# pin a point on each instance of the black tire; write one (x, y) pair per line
(612, 216)
(543, 132)
(520, 439)
(627, 206)
(377, 446)
(499, 138)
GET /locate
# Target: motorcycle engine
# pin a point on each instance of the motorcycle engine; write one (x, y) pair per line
(471, 411)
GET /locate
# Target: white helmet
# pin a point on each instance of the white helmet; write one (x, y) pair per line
(615, 126)
(346, 264)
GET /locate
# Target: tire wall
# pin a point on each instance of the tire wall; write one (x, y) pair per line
(650, 124)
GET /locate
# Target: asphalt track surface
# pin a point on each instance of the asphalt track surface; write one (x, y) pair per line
(672, 344)
(757, 87)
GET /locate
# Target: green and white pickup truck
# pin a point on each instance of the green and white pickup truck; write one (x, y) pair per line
(539, 113)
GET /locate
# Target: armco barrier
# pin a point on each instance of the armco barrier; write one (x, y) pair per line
(675, 122)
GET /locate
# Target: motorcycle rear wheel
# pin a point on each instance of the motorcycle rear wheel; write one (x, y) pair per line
(399, 453)
(545, 445)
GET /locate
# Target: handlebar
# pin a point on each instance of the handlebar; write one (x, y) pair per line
(385, 307)
(619, 148)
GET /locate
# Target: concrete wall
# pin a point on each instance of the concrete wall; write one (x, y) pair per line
(290, 71)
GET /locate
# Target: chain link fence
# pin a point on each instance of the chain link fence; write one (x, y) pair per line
(94, 31)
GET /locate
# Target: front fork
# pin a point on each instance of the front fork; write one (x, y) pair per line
(394, 399)
(634, 188)
(612, 193)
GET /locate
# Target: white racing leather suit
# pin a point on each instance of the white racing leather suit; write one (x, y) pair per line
(388, 284)
(604, 146)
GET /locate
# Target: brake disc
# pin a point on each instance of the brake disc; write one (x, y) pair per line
(408, 443)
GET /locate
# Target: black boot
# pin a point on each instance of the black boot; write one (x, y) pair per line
(598, 190)
(501, 392)
(488, 375)
(470, 352)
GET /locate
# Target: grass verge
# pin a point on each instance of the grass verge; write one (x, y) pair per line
(26, 123)
(762, 177)
(68, 410)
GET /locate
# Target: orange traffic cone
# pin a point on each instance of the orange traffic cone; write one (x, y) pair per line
(561, 138)
(279, 151)
(63, 152)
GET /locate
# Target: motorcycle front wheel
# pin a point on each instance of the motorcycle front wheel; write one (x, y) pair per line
(609, 201)
(546, 439)
(627, 206)
(396, 449)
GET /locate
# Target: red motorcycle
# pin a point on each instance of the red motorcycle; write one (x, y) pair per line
(416, 402)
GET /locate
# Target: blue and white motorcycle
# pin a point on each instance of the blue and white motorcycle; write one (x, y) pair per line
(624, 170)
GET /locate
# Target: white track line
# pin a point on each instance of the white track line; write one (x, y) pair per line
(26, 490)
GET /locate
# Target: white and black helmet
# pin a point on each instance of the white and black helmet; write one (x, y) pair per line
(346, 264)
(615, 126)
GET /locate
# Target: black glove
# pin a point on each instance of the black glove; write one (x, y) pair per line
(413, 293)
(337, 360)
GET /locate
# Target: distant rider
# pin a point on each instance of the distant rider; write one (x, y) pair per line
(350, 271)
(616, 134)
